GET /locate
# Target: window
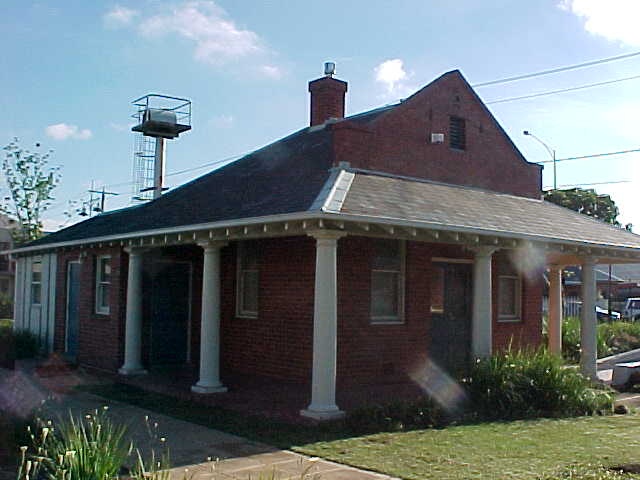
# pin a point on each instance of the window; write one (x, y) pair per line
(103, 284)
(4, 259)
(437, 288)
(36, 282)
(387, 282)
(509, 291)
(247, 280)
(457, 133)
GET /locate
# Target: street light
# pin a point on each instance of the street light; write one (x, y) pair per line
(551, 151)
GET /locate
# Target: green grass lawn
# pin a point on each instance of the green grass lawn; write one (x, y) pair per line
(532, 450)
(510, 450)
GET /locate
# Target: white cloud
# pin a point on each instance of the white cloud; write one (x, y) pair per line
(271, 71)
(217, 39)
(615, 20)
(222, 121)
(120, 127)
(390, 73)
(63, 131)
(119, 16)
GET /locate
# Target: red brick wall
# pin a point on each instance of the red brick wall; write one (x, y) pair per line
(528, 331)
(279, 342)
(399, 142)
(100, 337)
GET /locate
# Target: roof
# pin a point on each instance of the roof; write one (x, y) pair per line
(283, 177)
(466, 209)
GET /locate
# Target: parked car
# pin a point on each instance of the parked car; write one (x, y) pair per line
(603, 314)
(632, 308)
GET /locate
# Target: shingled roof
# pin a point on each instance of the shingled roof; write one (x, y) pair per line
(374, 195)
(283, 177)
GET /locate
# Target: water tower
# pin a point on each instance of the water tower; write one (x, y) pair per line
(158, 118)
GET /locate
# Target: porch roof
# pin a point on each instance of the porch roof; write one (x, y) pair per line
(467, 209)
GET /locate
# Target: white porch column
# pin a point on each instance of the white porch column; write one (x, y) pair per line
(325, 318)
(133, 327)
(554, 315)
(482, 317)
(588, 320)
(210, 321)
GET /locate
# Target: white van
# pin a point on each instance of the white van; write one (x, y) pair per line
(632, 308)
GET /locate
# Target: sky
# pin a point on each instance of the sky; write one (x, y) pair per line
(70, 69)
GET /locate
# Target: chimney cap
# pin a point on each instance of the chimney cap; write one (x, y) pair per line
(329, 69)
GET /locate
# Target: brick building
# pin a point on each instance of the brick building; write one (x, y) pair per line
(352, 252)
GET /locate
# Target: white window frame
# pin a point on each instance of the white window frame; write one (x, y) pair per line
(36, 261)
(241, 311)
(517, 317)
(100, 282)
(399, 318)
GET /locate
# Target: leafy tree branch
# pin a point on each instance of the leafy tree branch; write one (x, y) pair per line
(30, 181)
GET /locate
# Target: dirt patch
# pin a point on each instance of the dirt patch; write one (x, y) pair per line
(626, 468)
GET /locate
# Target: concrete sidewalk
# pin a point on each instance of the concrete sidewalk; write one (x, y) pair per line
(197, 452)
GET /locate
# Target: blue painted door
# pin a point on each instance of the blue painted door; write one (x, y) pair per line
(73, 290)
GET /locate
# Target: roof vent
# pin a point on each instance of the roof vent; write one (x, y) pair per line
(437, 138)
(329, 69)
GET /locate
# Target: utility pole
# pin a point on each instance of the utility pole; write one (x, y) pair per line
(103, 193)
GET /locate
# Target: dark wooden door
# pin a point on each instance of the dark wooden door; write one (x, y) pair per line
(450, 337)
(170, 312)
(73, 291)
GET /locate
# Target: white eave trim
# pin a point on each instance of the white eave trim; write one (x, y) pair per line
(173, 230)
(474, 231)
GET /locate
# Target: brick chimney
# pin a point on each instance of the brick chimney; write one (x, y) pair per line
(327, 96)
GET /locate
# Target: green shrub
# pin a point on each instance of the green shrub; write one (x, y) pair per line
(395, 416)
(612, 338)
(527, 384)
(26, 344)
(619, 337)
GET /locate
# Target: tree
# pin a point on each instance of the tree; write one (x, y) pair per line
(586, 201)
(31, 181)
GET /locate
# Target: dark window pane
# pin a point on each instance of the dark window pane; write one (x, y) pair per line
(384, 294)
(386, 255)
(249, 291)
(508, 297)
(36, 294)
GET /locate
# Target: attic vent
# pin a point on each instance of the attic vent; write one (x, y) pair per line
(457, 133)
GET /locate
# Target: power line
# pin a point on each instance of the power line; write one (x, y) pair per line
(593, 155)
(556, 70)
(569, 185)
(178, 172)
(563, 90)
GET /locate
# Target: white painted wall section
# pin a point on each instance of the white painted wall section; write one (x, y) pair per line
(36, 318)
